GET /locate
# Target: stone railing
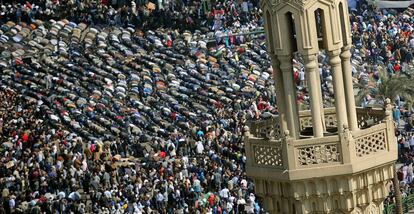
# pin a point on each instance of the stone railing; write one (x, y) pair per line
(266, 153)
(371, 141)
(305, 118)
(342, 153)
(270, 128)
(309, 152)
(369, 116)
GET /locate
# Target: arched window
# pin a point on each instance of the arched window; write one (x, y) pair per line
(269, 31)
(291, 30)
(320, 28)
(314, 209)
(343, 26)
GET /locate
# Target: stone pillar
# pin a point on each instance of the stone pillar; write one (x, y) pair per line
(312, 73)
(338, 85)
(292, 117)
(321, 97)
(349, 89)
(280, 92)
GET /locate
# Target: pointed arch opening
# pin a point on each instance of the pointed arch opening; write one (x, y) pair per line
(291, 31)
(320, 28)
(336, 204)
(314, 209)
(343, 25)
(269, 32)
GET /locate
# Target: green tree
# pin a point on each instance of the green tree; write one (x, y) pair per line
(388, 86)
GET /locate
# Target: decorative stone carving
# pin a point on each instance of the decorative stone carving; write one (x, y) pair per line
(372, 209)
(305, 122)
(286, 135)
(371, 144)
(273, 131)
(346, 133)
(269, 129)
(368, 118)
(296, 5)
(356, 211)
(298, 2)
(330, 120)
(264, 128)
(318, 154)
(268, 155)
(302, 174)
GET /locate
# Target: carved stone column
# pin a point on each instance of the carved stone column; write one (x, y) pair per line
(312, 72)
(292, 117)
(338, 84)
(321, 98)
(280, 92)
(349, 89)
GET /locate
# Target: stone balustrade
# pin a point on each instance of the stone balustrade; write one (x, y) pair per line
(369, 116)
(309, 152)
(371, 141)
(305, 118)
(273, 154)
(270, 128)
(267, 153)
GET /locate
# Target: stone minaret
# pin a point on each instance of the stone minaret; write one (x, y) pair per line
(325, 160)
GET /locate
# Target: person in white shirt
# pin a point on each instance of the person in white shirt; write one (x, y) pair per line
(12, 202)
(302, 77)
(241, 204)
(160, 201)
(412, 42)
(243, 184)
(249, 207)
(199, 147)
(406, 144)
(412, 143)
(229, 207)
(224, 193)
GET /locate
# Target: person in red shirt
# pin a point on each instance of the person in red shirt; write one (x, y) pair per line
(262, 105)
(397, 67)
(173, 116)
(17, 76)
(218, 105)
(92, 148)
(25, 137)
(296, 76)
(163, 154)
(211, 199)
(162, 171)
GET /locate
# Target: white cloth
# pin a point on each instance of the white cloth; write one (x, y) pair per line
(224, 193)
(412, 141)
(200, 147)
(245, 7)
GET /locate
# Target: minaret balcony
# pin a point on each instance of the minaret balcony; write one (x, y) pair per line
(273, 156)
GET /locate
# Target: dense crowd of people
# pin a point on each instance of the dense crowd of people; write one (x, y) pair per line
(126, 107)
(383, 41)
(184, 15)
(104, 118)
(383, 45)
